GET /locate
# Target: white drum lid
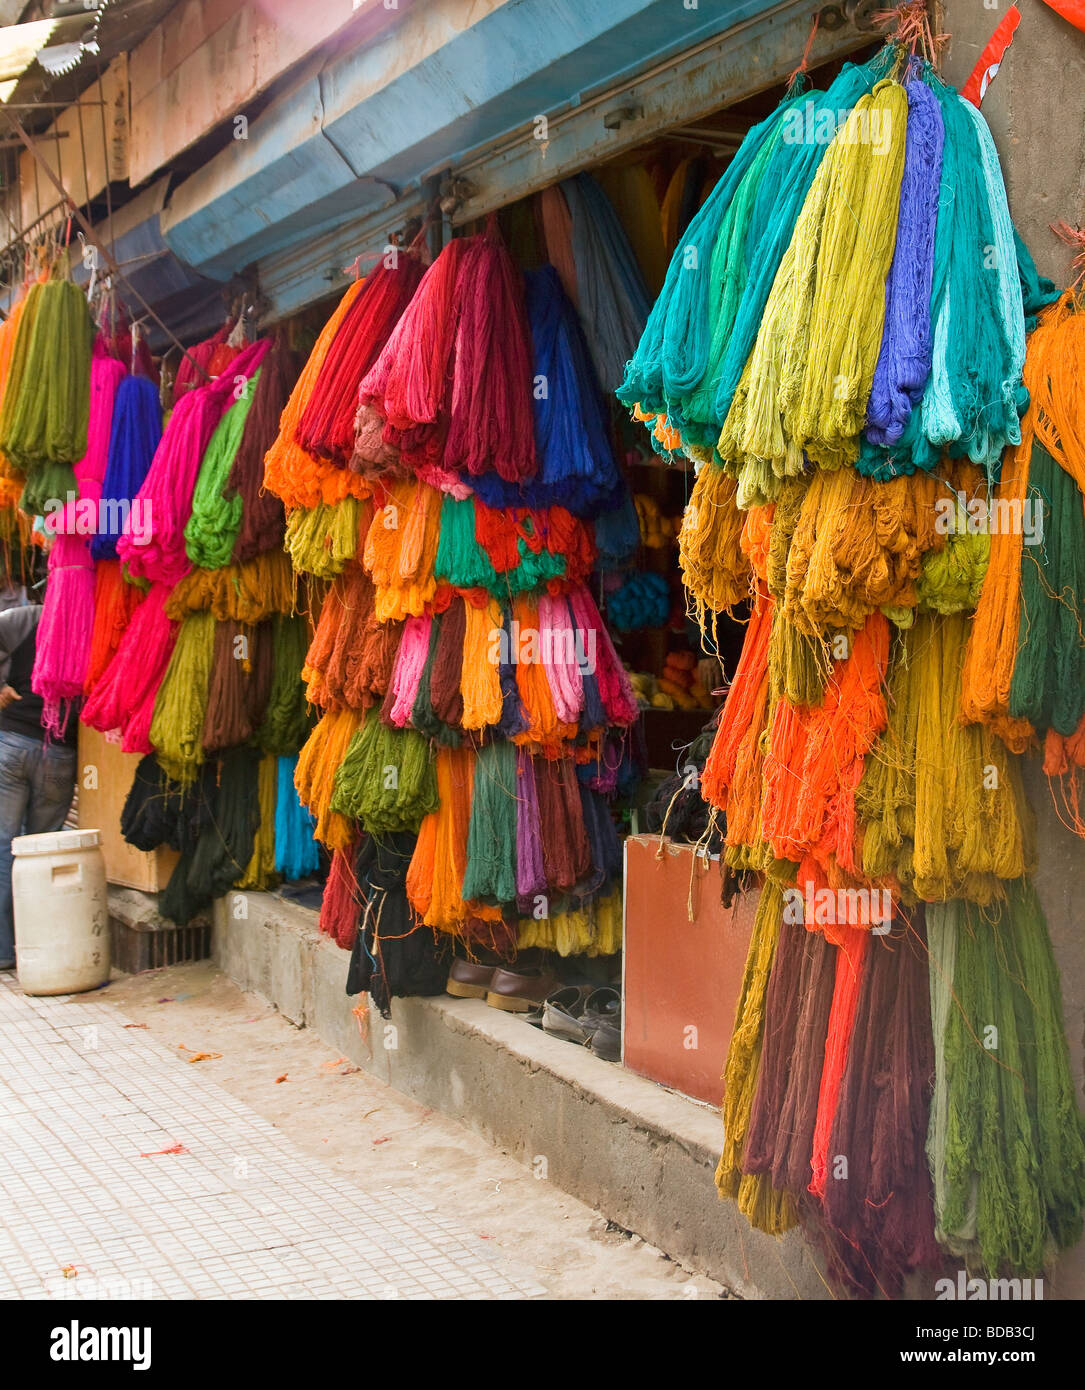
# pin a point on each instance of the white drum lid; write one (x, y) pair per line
(55, 842)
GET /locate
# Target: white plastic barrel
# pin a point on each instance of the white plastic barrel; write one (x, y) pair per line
(58, 887)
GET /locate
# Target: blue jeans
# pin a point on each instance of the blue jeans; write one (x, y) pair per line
(36, 785)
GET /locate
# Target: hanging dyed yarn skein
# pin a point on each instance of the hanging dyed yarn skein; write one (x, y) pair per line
(844, 442)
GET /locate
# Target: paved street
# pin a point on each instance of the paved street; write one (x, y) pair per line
(97, 1199)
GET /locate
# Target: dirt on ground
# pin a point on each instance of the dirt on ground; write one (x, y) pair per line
(380, 1139)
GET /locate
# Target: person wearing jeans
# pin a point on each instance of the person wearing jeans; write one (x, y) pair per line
(37, 774)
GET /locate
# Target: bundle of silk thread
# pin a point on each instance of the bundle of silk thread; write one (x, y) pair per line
(288, 716)
(1006, 1146)
(854, 387)
(158, 811)
(115, 600)
(879, 1218)
(631, 190)
(296, 851)
(134, 436)
(416, 646)
(195, 366)
(321, 540)
(123, 696)
(259, 872)
(224, 848)
(181, 702)
(166, 494)
(211, 530)
(62, 644)
(263, 521)
(386, 781)
(245, 593)
(641, 600)
(326, 426)
(577, 468)
(43, 424)
(388, 958)
(9, 330)
(611, 295)
(1022, 674)
(297, 478)
(342, 898)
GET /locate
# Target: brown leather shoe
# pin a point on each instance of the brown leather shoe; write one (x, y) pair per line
(469, 979)
(519, 991)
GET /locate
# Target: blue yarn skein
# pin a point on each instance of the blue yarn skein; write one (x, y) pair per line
(134, 436)
(296, 852)
(642, 600)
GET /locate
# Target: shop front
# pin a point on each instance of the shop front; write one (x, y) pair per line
(580, 599)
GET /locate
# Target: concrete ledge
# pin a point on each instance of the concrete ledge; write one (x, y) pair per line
(134, 908)
(640, 1154)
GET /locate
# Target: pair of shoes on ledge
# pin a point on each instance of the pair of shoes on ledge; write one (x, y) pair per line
(586, 1015)
(514, 991)
(577, 1013)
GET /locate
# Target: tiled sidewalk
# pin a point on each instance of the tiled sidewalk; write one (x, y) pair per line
(85, 1106)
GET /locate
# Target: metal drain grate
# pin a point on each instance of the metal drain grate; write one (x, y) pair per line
(151, 945)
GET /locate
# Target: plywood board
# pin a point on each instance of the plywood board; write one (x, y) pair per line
(682, 978)
(105, 778)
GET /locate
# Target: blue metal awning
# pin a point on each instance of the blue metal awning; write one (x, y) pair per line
(350, 152)
(373, 124)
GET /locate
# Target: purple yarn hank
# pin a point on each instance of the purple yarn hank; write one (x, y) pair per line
(530, 873)
(513, 716)
(904, 362)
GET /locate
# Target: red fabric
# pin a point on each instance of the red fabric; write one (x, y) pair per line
(983, 73)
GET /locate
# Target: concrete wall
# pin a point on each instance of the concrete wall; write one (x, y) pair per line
(1036, 110)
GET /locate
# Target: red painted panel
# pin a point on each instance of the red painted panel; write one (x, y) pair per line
(682, 978)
